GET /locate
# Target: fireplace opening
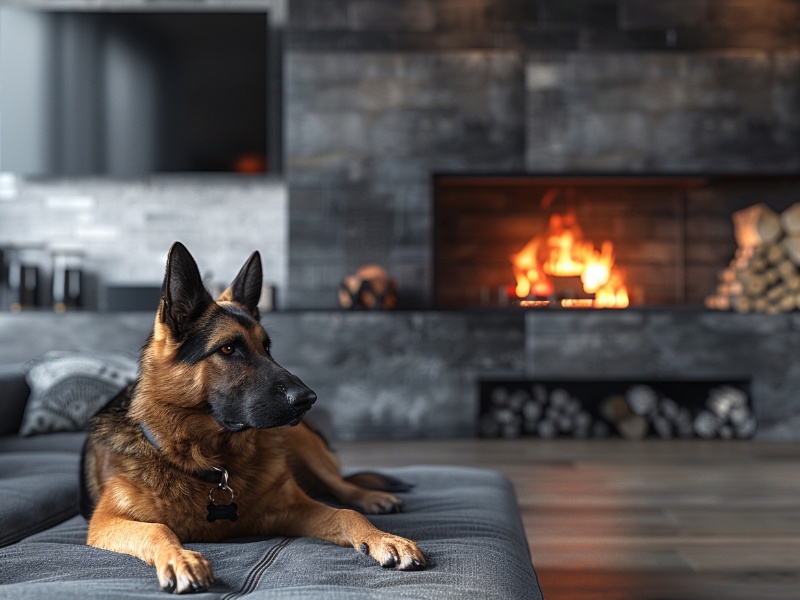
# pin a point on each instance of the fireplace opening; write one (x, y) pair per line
(589, 241)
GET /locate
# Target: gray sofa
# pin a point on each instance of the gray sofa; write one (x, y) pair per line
(465, 520)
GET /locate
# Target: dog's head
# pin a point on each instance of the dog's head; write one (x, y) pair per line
(207, 355)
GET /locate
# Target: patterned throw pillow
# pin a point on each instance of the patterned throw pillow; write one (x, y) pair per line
(68, 388)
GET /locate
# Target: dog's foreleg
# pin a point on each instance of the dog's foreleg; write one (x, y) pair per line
(346, 527)
(310, 451)
(179, 570)
(370, 501)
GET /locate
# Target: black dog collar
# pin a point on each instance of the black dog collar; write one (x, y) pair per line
(148, 435)
(209, 476)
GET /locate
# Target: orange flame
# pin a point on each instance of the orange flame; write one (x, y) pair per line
(562, 252)
(531, 279)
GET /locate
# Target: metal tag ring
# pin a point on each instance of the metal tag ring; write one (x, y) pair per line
(224, 488)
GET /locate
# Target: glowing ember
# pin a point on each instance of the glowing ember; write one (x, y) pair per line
(577, 303)
(563, 252)
(534, 303)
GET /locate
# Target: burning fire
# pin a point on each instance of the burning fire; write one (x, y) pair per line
(563, 252)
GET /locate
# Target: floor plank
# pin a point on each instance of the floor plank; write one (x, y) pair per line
(642, 520)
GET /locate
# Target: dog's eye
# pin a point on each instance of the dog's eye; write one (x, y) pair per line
(228, 349)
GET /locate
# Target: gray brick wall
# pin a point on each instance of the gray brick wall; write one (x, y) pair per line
(660, 112)
(126, 227)
(380, 94)
(377, 375)
(364, 132)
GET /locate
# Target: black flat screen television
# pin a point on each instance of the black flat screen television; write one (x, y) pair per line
(132, 93)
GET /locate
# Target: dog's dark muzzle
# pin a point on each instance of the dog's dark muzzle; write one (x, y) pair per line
(285, 404)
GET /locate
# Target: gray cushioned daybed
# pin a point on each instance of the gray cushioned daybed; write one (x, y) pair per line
(465, 520)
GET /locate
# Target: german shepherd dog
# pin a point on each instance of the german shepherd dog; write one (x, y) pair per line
(213, 418)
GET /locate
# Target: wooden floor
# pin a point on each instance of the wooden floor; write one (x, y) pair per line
(651, 520)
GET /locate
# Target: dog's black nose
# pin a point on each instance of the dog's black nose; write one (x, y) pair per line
(300, 397)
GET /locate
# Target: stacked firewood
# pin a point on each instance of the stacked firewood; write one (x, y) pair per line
(633, 412)
(539, 412)
(764, 274)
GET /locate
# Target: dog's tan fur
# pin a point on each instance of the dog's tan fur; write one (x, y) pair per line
(147, 500)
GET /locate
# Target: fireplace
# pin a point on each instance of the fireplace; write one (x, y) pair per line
(663, 238)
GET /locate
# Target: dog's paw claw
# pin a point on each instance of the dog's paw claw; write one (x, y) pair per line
(391, 559)
(167, 585)
(393, 552)
(184, 573)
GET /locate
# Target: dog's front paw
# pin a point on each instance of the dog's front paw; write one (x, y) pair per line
(394, 552)
(379, 503)
(185, 572)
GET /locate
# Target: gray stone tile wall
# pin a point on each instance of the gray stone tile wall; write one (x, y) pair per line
(673, 345)
(542, 24)
(377, 375)
(416, 374)
(402, 374)
(125, 228)
(733, 112)
(364, 133)
(380, 94)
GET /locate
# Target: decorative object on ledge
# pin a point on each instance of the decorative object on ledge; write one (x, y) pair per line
(268, 301)
(764, 275)
(67, 277)
(21, 286)
(630, 409)
(370, 288)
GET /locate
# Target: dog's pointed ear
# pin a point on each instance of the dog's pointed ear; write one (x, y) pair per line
(183, 295)
(246, 288)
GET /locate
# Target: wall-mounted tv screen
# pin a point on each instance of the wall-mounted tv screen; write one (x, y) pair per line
(132, 93)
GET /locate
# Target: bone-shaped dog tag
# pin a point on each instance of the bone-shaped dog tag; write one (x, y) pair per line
(225, 512)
